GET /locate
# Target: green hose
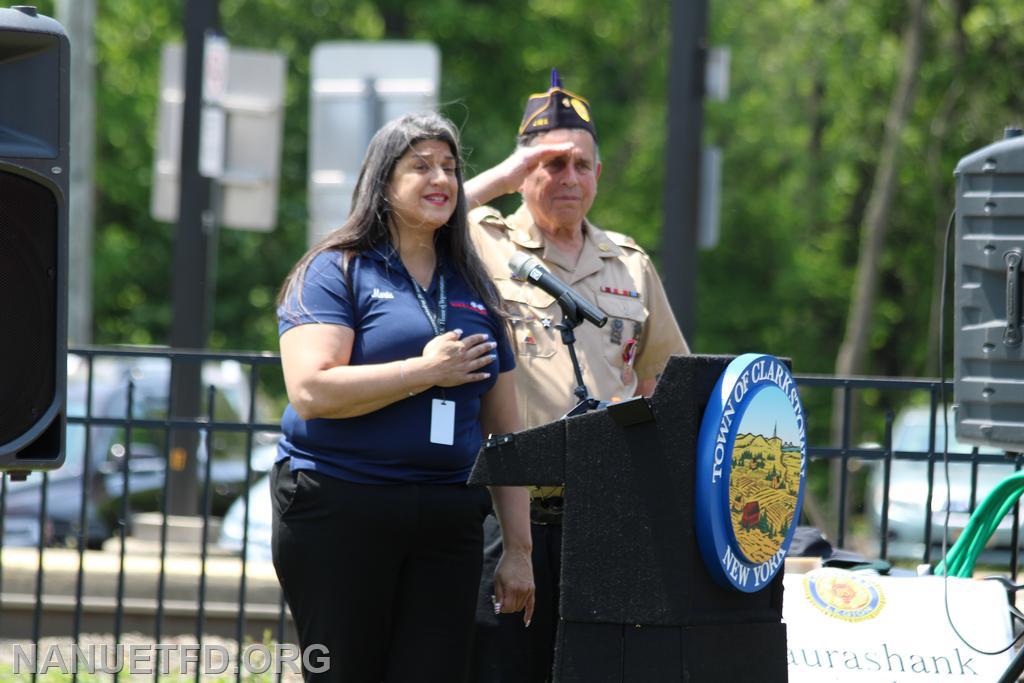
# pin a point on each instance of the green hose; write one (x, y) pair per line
(961, 558)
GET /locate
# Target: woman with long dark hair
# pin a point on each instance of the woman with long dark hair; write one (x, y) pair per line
(396, 361)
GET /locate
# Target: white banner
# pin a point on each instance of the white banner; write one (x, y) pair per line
(858, 627)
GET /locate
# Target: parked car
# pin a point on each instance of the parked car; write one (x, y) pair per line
(260, 519)
(908, 487)
(109, 451)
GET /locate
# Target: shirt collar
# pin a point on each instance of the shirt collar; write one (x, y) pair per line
(597, 246)
(524, 231)
(384, 253)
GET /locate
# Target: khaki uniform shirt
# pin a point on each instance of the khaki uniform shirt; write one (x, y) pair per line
(611, 272)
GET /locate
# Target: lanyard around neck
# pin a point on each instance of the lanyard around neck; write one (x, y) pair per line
(438, 322)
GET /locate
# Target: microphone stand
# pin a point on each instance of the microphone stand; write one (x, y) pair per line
(571, 319)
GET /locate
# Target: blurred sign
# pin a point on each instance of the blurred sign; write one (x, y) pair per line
(716, 74)
(216, 53)
(213, 123)
(355, 88)
(240, 146)
(710, 197)
(213, 120)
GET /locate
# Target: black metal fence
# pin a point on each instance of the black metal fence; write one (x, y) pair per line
(114, 394)
(885, 453)
(120, 429)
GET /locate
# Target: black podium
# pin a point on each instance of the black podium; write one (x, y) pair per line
(637, 604)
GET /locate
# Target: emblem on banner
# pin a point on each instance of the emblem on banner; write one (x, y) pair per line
(751, 466)
(843, 595)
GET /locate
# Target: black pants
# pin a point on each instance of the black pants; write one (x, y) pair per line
(384, 577)
(504, 650)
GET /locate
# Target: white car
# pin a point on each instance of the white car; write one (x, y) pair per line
(908, 488)
(260, 519)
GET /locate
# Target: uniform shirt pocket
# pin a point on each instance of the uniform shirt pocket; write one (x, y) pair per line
(532, 315)
(626, 317)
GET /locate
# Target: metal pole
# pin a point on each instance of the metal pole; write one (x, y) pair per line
(192, 283)
(79, 16)
(687, 57)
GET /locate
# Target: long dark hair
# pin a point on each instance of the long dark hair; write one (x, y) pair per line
(367, 225)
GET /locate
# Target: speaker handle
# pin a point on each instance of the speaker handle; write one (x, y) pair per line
(1012, 333)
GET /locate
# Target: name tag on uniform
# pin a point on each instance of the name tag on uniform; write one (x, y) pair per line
(442, 422)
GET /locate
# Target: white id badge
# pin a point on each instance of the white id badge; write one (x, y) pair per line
(442, 422)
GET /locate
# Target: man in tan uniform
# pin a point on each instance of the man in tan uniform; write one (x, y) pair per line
(556, 168)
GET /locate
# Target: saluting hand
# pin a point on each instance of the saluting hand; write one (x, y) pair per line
(524, 160)
(454, 360)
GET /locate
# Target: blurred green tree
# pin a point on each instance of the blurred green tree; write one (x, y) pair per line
(801, 132)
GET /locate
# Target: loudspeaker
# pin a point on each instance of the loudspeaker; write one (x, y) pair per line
(34, 110)
(988, 382)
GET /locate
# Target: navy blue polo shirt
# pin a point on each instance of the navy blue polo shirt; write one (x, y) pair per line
(390, 445)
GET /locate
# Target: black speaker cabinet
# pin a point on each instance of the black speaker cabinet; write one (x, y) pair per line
(34, 94)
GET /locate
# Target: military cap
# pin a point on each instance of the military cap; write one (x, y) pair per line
(556, 108)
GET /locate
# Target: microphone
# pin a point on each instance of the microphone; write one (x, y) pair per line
(574, 306)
